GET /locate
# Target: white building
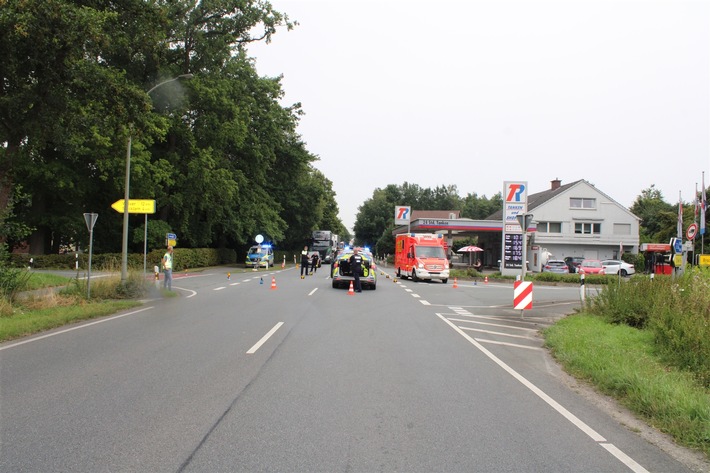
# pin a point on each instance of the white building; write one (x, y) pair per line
(577, 219)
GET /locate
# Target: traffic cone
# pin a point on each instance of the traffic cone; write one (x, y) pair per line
(351, 291)
(485, 280)
(273, 283)
(456, 283)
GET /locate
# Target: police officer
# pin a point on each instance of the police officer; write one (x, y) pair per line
(304, 262)
(356, 268)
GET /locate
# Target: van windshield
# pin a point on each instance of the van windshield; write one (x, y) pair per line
(257, 250)
(429, 252)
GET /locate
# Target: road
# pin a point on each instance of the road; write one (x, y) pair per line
(237, 375)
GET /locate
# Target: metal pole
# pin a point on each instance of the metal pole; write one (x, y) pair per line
(145, 247)
(91, 249)
(124, 246)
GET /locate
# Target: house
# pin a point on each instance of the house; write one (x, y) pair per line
(577, 219)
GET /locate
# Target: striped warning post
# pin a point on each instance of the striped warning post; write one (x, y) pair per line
(522, 295)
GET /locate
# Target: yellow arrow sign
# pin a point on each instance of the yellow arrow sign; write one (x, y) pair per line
(135, 206)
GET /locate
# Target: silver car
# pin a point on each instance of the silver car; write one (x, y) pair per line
(555, 266)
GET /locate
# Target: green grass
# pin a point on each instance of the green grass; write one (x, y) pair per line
(41, 280)
(622, 361)
(27, 321)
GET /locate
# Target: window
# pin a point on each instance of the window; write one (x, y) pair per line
(622, 229)
(549, 227)
(588, 228)
(582, 203)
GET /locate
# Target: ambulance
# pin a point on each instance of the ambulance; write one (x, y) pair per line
(421, 256)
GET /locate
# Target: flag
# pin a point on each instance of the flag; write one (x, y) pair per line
(697, 205)
(680, 217)
(703, 206)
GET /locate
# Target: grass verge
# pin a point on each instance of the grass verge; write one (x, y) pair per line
(27, 319)
(622, 362)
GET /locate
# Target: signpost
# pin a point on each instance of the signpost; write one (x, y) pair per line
(90, 220)
(138, 206)
(515, 204)
(135, 206)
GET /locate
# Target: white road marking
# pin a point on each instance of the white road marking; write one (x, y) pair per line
(75, 328)
(311, 293)
(409, 290)
(624, 458)
(219, 288)
(416, 295)
(514, 345)
(512, 327)
(263, 340)
(425, 302)
(593, 434)
(194, 293)
(235, 284)
(502, 334)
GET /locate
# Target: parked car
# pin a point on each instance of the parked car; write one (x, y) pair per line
(591, 266)
(342, 275)
(615, 266)
(573, 263)
(555, 266)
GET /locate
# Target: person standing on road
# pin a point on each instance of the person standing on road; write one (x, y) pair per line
(356, 268)
(304, 262)
(314, 262)
(168, 269)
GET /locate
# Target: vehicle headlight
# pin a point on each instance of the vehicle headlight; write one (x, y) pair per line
(420, 266)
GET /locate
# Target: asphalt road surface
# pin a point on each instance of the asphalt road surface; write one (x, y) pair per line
(238, 375)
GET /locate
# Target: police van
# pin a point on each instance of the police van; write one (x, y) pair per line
(260, 256)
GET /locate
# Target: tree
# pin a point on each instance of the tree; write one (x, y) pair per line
(658, 220)
(479, 208)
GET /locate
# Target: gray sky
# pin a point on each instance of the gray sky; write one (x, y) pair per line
(474, 93)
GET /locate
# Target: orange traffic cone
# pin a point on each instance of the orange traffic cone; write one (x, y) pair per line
(351, 291)
(485, 280)
(456, 283)
(273, 283)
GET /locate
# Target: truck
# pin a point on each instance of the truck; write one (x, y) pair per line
(323, 241)
(421, 256)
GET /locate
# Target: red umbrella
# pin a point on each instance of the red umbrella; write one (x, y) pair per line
(469, 249)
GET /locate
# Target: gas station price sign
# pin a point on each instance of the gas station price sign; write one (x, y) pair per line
(513, 251)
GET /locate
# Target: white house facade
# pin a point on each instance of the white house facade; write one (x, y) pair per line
(577, 219)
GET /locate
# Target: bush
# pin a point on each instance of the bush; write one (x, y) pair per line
(184, 258)
(12, 281)
(676, 310)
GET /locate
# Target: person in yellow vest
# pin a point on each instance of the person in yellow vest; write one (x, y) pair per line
(168, 269)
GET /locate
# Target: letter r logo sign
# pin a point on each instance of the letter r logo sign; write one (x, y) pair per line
(403, 213)
(514, 192)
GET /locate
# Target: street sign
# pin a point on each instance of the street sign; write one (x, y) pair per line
(677, 245)
(135, 206)
(170, 239)
(692, 231)
(90, 220)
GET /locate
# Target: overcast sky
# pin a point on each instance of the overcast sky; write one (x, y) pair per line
(474, 93)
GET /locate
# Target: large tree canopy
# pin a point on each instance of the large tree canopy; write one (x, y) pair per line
(217, 152)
